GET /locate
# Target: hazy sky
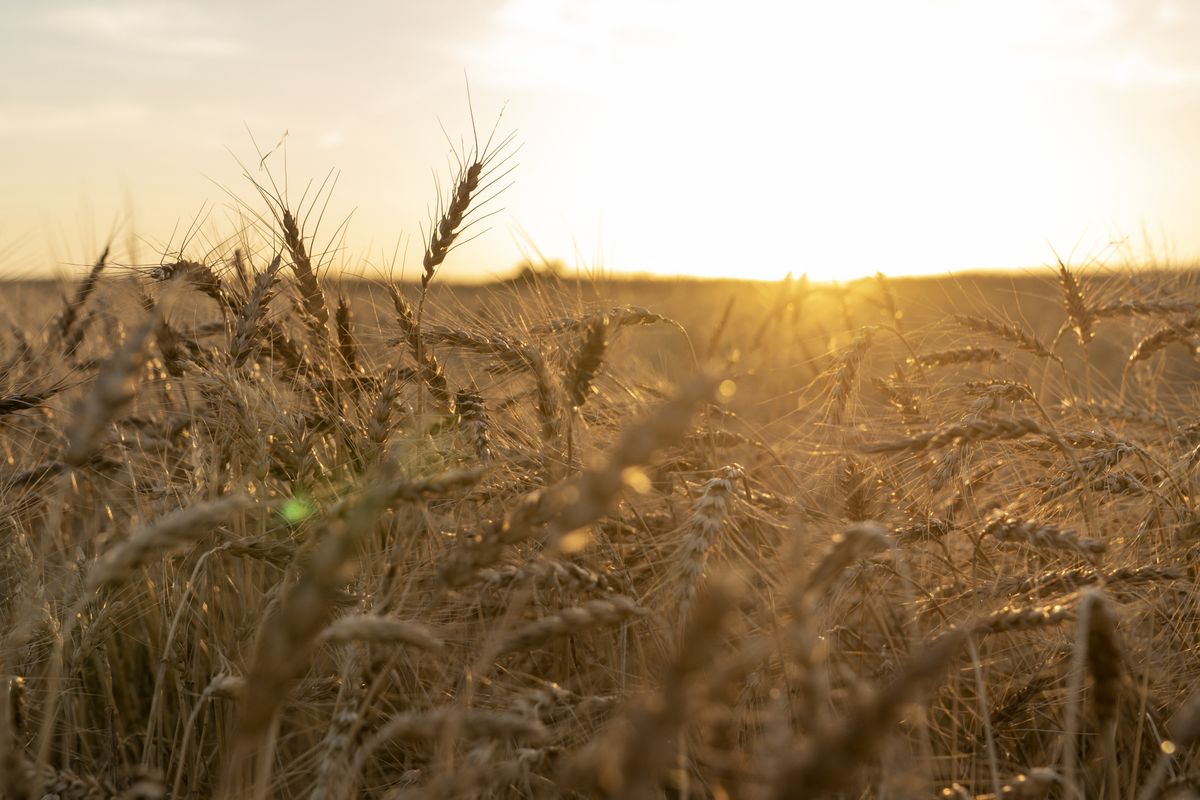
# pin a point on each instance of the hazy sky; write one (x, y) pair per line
(747, 139)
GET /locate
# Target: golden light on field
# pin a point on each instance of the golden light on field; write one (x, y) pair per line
(666, 137)
(269, 532)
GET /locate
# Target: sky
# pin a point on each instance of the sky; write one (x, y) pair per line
(678, 138)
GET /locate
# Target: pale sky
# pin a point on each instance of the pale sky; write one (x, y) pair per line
(749, 139)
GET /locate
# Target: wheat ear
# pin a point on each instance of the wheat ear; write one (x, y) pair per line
(311, 295)
(347, 342)
(472, 417)
(287, 636)
(1006, 528)
(965, 433)
(111, 392)
(247, 329)
(65, 322)
(1008, 332)
(704, 526)
(370, 628)
(587, 362)
(1079, 315)
(164, 534)
(602, 612)
(829, 762)
(428, 367)
(844, 374)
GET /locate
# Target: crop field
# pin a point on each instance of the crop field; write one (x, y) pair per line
(267, 532)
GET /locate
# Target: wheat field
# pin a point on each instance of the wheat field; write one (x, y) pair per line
(267, 532)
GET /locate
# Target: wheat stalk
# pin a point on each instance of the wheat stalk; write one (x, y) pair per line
(1076, 577)
(828, 763)
(966, 433)
(369, 628)
(574, 504)
(26, 401)
(1079, 315)
(1154, 342)
(1144, 308)
(109, 394)
(708, 517)
(64, 324)
(602, 612)
(333, 778)
(1007, 528)
(844, 373)
(312, 297)
(443, 234)
(1008, 620)
(587, 361)
(629, 759)
(563, 574)
(1104, 659)
(164, 534)
(958, 355)
(246, 331)
(347, 343)
(856, 542)
(471, 723)
(472, 416)
(306, 607)
(616, 317)
(1007, 332)
(428, 367)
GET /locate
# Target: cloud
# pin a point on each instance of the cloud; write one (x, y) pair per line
(565, 45)
(19, 120)
(616, 45)
(166, 28)
(1115, 42)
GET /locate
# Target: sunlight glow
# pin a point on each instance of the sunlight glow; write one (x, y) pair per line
(833, 139)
